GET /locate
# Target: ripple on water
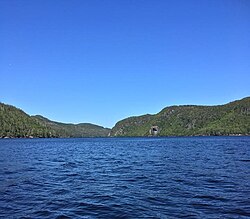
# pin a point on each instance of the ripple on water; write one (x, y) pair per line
(125, 178)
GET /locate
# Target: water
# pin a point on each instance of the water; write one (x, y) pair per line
(196, 177)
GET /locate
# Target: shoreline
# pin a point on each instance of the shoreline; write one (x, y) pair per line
(169, 136)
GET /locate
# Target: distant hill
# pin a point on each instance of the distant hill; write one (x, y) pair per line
(73, 130)
(190, 120)
(16, 123)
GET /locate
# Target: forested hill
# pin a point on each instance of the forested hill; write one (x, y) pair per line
(190, 120)
(73, 130)
(16, 123)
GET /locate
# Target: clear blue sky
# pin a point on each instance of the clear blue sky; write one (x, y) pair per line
(100, 61)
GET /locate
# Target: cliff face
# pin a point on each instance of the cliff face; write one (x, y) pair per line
(229, 119)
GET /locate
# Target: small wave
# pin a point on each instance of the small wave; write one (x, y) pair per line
(72, 174)
(69, 165)
(238, 212)
(245, 161)
(62, 217)
(103, 211)
(9, 172)
(179, 180)
(215, 181)
(158, 200)
(201, 205)
(211, 197)
(42, 213)
(60, 192)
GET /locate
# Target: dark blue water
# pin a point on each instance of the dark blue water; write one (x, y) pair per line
(196, 177)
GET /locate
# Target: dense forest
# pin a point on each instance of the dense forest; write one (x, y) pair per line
(189, 120)
(17, 124)
(73, 130)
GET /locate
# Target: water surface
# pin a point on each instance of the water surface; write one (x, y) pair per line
(195, 177)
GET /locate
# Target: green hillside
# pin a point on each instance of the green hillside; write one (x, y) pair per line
(189, 120)
(16, 123)
(73, 130)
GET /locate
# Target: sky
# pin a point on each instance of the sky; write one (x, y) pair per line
(101, 61)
